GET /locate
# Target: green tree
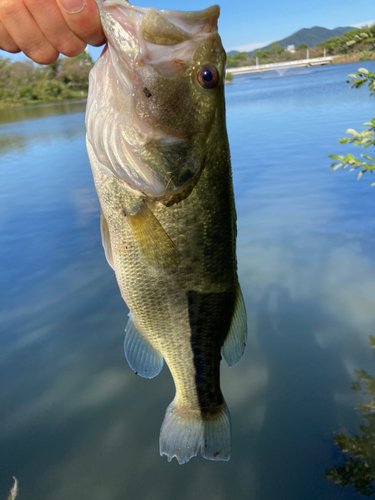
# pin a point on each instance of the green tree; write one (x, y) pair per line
(235, 60)
(228, 77)
(356, 40)
(49, 91)
(51, 71)
(24, 82)
(276, 49)
(331, 45)
(6, 93)
(365, 139)
(358, 452)
(302, 46)
(74, 71)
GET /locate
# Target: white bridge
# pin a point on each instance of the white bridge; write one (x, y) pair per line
(281, 67)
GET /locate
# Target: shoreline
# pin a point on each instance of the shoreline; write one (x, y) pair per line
(41, 104)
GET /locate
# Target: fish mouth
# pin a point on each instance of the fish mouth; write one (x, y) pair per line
(154, 151)
(164, 27)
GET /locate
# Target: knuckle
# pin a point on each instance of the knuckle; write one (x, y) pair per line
(97, 39)
(72, 48)
(89, 29)
(10, 47)
(7, 43)
(75, 52)
(44, 55)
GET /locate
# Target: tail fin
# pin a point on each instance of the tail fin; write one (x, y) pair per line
(183, 433)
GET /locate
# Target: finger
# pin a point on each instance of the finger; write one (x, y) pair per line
(82, 17)
(6, 41)
(53, 25)
(30, 39)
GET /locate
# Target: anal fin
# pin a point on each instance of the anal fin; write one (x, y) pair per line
(143, 359)
(235, 342)
(152, 240)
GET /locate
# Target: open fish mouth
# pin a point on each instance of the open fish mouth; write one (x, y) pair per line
(149, 114)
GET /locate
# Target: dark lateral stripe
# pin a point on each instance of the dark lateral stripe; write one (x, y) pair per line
(210, 317)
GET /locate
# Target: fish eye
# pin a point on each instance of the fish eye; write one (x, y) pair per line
(208, 77)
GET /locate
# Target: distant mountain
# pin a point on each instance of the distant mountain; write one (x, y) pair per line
(310, 36)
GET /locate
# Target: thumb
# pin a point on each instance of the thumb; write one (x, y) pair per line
(82, 17)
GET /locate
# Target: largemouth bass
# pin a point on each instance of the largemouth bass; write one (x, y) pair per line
(158, 148)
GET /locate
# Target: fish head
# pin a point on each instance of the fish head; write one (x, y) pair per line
(161, 86)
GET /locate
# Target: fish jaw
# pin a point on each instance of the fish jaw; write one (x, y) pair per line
(148, 119)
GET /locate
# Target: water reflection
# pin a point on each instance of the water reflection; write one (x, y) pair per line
(12, 143)
(357, 452)
(300, 383)
(15, 138)
(16, 114)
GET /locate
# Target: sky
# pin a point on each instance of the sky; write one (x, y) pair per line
(246, 24)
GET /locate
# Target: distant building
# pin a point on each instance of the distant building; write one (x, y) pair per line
(291, 48)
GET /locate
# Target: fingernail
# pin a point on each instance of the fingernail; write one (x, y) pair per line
(72, 6)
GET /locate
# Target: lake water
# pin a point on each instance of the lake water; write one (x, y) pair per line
(75, 421)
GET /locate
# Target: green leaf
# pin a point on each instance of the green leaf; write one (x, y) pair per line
(360, 175)
(352, 132)
(336, 167)
(356, 385)
(335, 157)
(369, 157)
(364, 71)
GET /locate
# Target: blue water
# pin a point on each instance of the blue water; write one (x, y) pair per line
(75, 421)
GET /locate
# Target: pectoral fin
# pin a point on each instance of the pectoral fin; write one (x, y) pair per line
(152, 240)
(139, 353)
(235, 342)
(106, 241)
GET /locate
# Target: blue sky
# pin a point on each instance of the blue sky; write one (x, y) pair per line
(246, 22)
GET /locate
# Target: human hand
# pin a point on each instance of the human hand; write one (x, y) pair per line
(43, 29)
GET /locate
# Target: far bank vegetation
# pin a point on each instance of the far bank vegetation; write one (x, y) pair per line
(353, 46)
(25, 83)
